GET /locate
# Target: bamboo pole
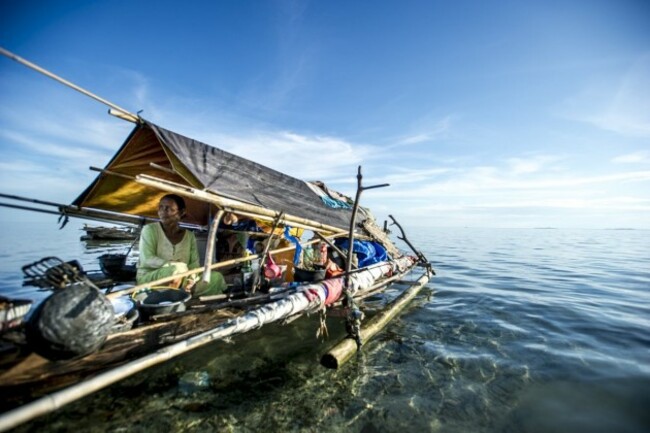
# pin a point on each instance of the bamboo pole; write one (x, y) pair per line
(345, 349)
(293, 224)
(221, 201)
(124, 114)
(260, 272)
(333, 246)
(224, 202)
(98, 215)
(30, 200)
(161, 168)
(80, 212)
(33, 209)
(180, 185)
(209, 250)
(121, 115)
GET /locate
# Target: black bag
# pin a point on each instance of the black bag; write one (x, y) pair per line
(72, 322)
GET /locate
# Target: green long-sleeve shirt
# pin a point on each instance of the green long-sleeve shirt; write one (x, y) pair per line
(156, 250)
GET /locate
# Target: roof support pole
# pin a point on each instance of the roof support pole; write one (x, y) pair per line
(258, 278)
(209, 249)
(333, 246)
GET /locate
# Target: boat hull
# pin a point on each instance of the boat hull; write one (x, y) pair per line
(165, 336)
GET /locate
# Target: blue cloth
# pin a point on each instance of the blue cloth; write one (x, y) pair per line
(336, 204)
(368, 252)
(296, 241)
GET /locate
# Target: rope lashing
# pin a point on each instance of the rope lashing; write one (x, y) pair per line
(354, 318)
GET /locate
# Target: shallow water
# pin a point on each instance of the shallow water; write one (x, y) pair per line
(520, 331)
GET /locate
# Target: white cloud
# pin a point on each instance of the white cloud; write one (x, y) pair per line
(530, 165)
(631, 158)
(309, 157)
(47, 147)
(405, 175)
(482, 180)
(428, 128)
(43, 181)
(611, 203)
(522, 192)
(414, 139)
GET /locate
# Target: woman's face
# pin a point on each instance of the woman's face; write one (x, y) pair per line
(168, 211)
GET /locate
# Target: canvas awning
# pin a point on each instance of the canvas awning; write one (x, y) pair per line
(191, 163)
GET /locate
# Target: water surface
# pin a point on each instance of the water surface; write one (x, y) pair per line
(520, 331)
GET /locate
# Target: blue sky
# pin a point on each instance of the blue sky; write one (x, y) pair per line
(478, 113)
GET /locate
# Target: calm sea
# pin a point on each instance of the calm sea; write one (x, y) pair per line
(521, 331)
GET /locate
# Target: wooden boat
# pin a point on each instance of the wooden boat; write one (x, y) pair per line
(109, 233)
(37, 376)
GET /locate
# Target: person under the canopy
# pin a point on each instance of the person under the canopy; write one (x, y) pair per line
(166, 249)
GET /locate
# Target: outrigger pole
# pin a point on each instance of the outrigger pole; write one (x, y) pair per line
(354, 313)
(422, 259)
(116, 110)
(346, 348)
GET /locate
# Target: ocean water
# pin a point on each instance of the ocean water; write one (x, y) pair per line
(521, 330)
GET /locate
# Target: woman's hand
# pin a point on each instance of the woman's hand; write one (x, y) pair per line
(230, 219)
(189, 285)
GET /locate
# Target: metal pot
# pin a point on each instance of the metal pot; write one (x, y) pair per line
(308, 275)
(161, 301)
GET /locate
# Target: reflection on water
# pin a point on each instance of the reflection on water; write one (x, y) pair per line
(526, 331)
(612, 405)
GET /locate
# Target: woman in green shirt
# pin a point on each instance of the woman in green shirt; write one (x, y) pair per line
(166, 249)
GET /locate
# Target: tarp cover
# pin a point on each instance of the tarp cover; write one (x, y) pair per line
(200, 166)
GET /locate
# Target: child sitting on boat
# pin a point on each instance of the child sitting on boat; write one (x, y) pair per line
(166, 249)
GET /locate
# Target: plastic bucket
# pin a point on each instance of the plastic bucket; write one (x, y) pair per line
(113, 265)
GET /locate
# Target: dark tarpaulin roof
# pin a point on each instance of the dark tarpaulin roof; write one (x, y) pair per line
(201, 166)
